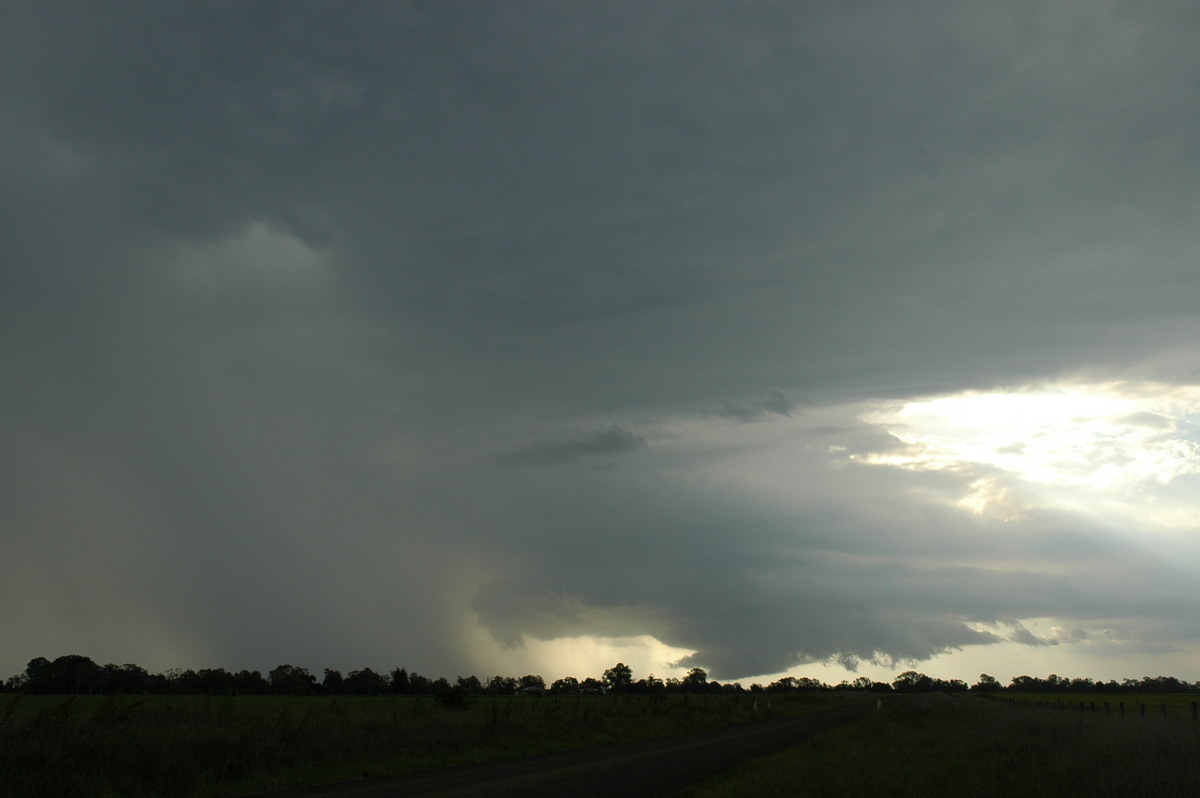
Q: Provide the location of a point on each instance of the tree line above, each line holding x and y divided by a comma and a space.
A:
75, 674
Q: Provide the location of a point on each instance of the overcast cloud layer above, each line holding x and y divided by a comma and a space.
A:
375, 334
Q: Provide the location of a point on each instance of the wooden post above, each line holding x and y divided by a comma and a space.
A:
1142, 709
1195, 714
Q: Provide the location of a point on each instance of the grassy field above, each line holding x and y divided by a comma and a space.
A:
187, 747
1156, 704
967, 746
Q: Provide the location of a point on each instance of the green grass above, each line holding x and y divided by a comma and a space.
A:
197, 746
973, 747
1130, 704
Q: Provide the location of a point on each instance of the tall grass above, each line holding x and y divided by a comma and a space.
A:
973, 747
197, 746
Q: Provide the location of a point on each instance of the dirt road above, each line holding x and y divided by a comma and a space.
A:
648, 768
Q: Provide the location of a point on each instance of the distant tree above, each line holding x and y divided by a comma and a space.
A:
1162, 684
470, 685
567, 684
399, 682
71, 674
214, 681
333, 683
986, 684
650, 684
365, 682
440, 685
418, 684
501, 685
531, 681
912, 682
860, 683
1025, 684
592, 685
291, 680
453, 698
38, 676
247, 682
128, 679
696, 680
619, 677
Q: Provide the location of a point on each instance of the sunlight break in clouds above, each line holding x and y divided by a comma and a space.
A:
1116, 441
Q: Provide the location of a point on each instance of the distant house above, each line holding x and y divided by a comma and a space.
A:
531, 690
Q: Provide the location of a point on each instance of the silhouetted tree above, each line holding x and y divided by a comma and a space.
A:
291, 680
531, 681
592, 685
567, 684
651, 684
71, 674
399, 682
453, 698
619, 677
696, 681
248, 682
470, 685
912, 682
365, 682
333, 683
128, 679
501, 685
986, 684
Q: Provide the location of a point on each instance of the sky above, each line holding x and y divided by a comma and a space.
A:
813, 339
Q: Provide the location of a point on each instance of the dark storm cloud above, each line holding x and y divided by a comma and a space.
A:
228, 231
601, 443
776, 402
863, 574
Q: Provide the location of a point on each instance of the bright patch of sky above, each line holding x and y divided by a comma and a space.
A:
1113, 441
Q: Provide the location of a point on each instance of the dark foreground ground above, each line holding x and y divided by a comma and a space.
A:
648, 768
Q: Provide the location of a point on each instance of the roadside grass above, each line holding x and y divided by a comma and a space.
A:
196, 746
969, 746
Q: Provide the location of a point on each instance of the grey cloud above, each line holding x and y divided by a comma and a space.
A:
776, 402
850, 579
569, 212
601, 443
1022, 635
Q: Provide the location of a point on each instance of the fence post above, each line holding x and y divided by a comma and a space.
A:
1122, 706
1142, 709
1195, 715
